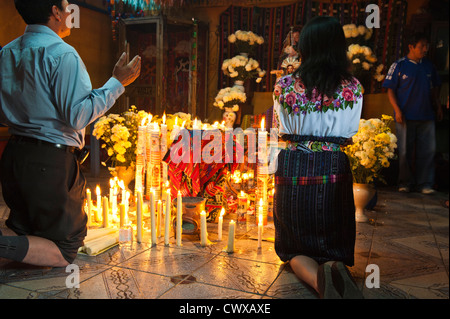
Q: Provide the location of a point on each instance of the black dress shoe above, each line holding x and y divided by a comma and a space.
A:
327, 289
345, 283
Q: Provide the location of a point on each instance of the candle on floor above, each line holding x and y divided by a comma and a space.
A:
203, 229
219, 230
139, 212
89, 206
153, 216
260, 230
167, 219
122, 215
179, 218
105, 211
230, 247
158, 219
99, 204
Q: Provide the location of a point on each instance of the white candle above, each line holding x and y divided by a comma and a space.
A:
203, 229
167, 219
260, 230
139, 216
230, 247
158, 218
89, 206
153, 216
99, 204
179, 218
164, 146
122, 214
220, 226
105, 211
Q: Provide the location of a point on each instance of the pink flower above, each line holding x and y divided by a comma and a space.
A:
347, 94
327, 101
299, 87
277, 90
290, 99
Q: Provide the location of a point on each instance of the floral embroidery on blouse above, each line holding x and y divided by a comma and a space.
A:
313, 146
290, 93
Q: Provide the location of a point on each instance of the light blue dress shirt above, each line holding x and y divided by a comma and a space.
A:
45, 90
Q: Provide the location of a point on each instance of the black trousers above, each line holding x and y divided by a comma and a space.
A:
44, 188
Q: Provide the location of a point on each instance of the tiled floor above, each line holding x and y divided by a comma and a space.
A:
407, 240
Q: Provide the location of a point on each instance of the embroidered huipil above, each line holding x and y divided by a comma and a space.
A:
317, 116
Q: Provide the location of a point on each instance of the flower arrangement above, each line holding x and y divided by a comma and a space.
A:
118, 133
241, 68
373, 146
230, 97
360, 54
357, 34
245, 41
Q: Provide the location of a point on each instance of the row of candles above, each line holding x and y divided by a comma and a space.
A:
108, 210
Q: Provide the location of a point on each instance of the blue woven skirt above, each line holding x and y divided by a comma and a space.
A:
314, 212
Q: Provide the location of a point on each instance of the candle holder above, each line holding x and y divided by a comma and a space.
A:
191, 209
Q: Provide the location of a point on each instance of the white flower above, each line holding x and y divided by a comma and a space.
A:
355, 61
365, 66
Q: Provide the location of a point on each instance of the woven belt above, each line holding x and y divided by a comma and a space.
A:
30, 140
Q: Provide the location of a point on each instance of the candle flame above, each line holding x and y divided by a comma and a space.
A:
182, 125
176, 120
143, 121
155, 126
168, 191
179, 193
242, 194
88, 191
263, 126
97, 190
164, 117
121, 184
222, 212
111, 182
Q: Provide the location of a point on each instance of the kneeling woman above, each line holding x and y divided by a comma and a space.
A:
317, 111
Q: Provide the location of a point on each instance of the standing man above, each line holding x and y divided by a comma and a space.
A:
46, 99
412, 86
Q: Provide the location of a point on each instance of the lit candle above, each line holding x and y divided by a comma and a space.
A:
140, 156
262, 211
139, 213
179, 218
164, 146
167, 219
175, 130
242, 207
158, 218
105, 211
203, 229
230, 247
122, 214
99, 204
219, 230
89, 206
260, 230
153, 216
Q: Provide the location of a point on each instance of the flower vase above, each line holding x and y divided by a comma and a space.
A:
125, 174
239, 84
362, 194
229, 117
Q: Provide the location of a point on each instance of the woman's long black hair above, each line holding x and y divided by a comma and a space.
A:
323, 51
